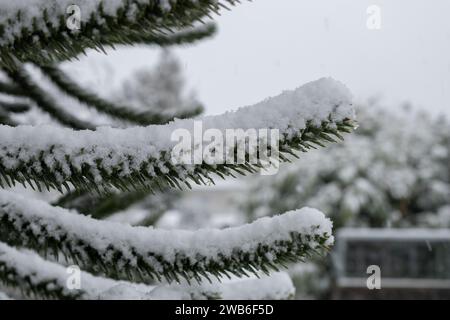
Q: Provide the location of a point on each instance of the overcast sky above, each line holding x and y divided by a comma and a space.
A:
266, 46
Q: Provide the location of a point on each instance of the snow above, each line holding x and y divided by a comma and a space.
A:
129, 149
210, 243
30, 9
67, 103
277, 286
29, 265
3, 296
395, 156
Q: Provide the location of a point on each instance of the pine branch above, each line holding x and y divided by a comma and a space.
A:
103, 206
33, 276
142, 37
143, 254
42, 36
99, 206
187, 36
22, 80
68, 86
56, 158
27, 275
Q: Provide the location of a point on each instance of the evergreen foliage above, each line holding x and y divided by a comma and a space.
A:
101, 171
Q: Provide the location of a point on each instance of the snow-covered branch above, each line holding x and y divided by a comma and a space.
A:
46, 103
127, 113
141, 157
142, 254
37, 30
27, 275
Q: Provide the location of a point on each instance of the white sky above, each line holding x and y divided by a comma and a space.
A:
266, 46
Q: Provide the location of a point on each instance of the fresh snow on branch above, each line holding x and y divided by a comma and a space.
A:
26, 270
40, 279
50, 31
276, 286
33, 10
140, 254
305, 116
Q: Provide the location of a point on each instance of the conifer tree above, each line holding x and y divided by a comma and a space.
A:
101, 169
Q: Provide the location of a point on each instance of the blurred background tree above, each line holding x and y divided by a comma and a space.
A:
394, 171
149, 96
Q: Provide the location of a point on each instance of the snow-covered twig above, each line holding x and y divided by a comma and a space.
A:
33, 275
143, 254
46, 103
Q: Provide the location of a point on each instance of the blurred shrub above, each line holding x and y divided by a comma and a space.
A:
395, 171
